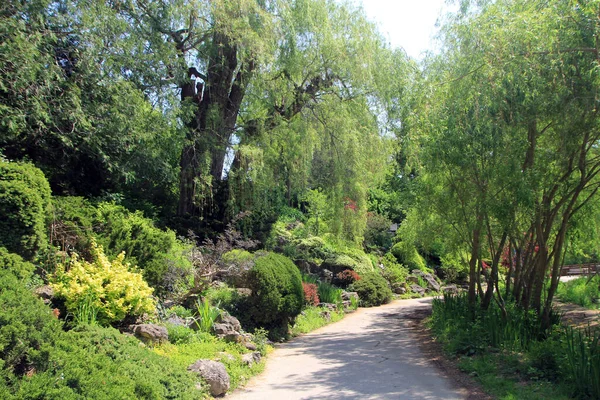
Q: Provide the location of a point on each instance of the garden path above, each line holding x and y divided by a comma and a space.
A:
370, 354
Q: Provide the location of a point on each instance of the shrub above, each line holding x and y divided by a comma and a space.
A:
407, 255
145, 245
114, 289
377, 234
277, 296
311, 297
372, 289
25, 322
392, 271
24, 202
346, 277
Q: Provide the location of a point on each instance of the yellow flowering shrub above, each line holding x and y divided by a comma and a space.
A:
113, 289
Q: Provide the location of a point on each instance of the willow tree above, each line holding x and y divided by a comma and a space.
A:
523, 73
312, 118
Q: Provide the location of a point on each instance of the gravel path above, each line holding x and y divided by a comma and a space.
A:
370, 354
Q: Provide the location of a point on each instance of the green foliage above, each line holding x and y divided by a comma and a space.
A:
25, 322
329, 293
109, 289
407, 255
179, 334
88, 362
206, 315
377, 234
314, 318
582, 291
583, 361
392, 271
164, 260
372, 289
15, 265
454, 268
277, 296
24, 205
155, 251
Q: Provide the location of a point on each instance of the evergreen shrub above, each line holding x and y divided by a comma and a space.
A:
24, 203
372, 290
277, 296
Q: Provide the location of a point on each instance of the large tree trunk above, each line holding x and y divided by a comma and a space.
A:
202, 187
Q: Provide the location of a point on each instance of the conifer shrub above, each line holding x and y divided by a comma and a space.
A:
111, 289
372, 290
24, 202
25, 322
277, 296
407, 255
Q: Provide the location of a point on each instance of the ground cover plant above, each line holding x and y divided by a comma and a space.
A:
512, 355
583, 291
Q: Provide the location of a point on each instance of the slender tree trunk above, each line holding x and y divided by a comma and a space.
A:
476, 238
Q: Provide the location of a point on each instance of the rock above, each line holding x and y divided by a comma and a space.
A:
347, 296
412, 279
251, 358
450, 289
151, 333
250, 346
46, 293
214, 373
432, 283
417, 289
327, 275
176, 320
228, 328
326, 315
328, 306
233, 322
225, 356
399, 289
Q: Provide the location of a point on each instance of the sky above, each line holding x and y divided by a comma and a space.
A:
409, 24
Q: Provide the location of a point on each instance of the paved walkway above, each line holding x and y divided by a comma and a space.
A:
370, 354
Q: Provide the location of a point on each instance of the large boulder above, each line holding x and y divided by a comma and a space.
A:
151, 333
432, 283
215, 375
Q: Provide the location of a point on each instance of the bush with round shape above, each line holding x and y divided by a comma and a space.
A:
24, 202
372, 290
346, 278
277, 296
111, 288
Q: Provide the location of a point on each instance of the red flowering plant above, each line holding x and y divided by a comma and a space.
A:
311, 295
346, 278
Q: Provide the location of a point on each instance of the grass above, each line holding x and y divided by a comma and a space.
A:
581, 291
201, 345
504, 376
329, 293
512, 358
312, 318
